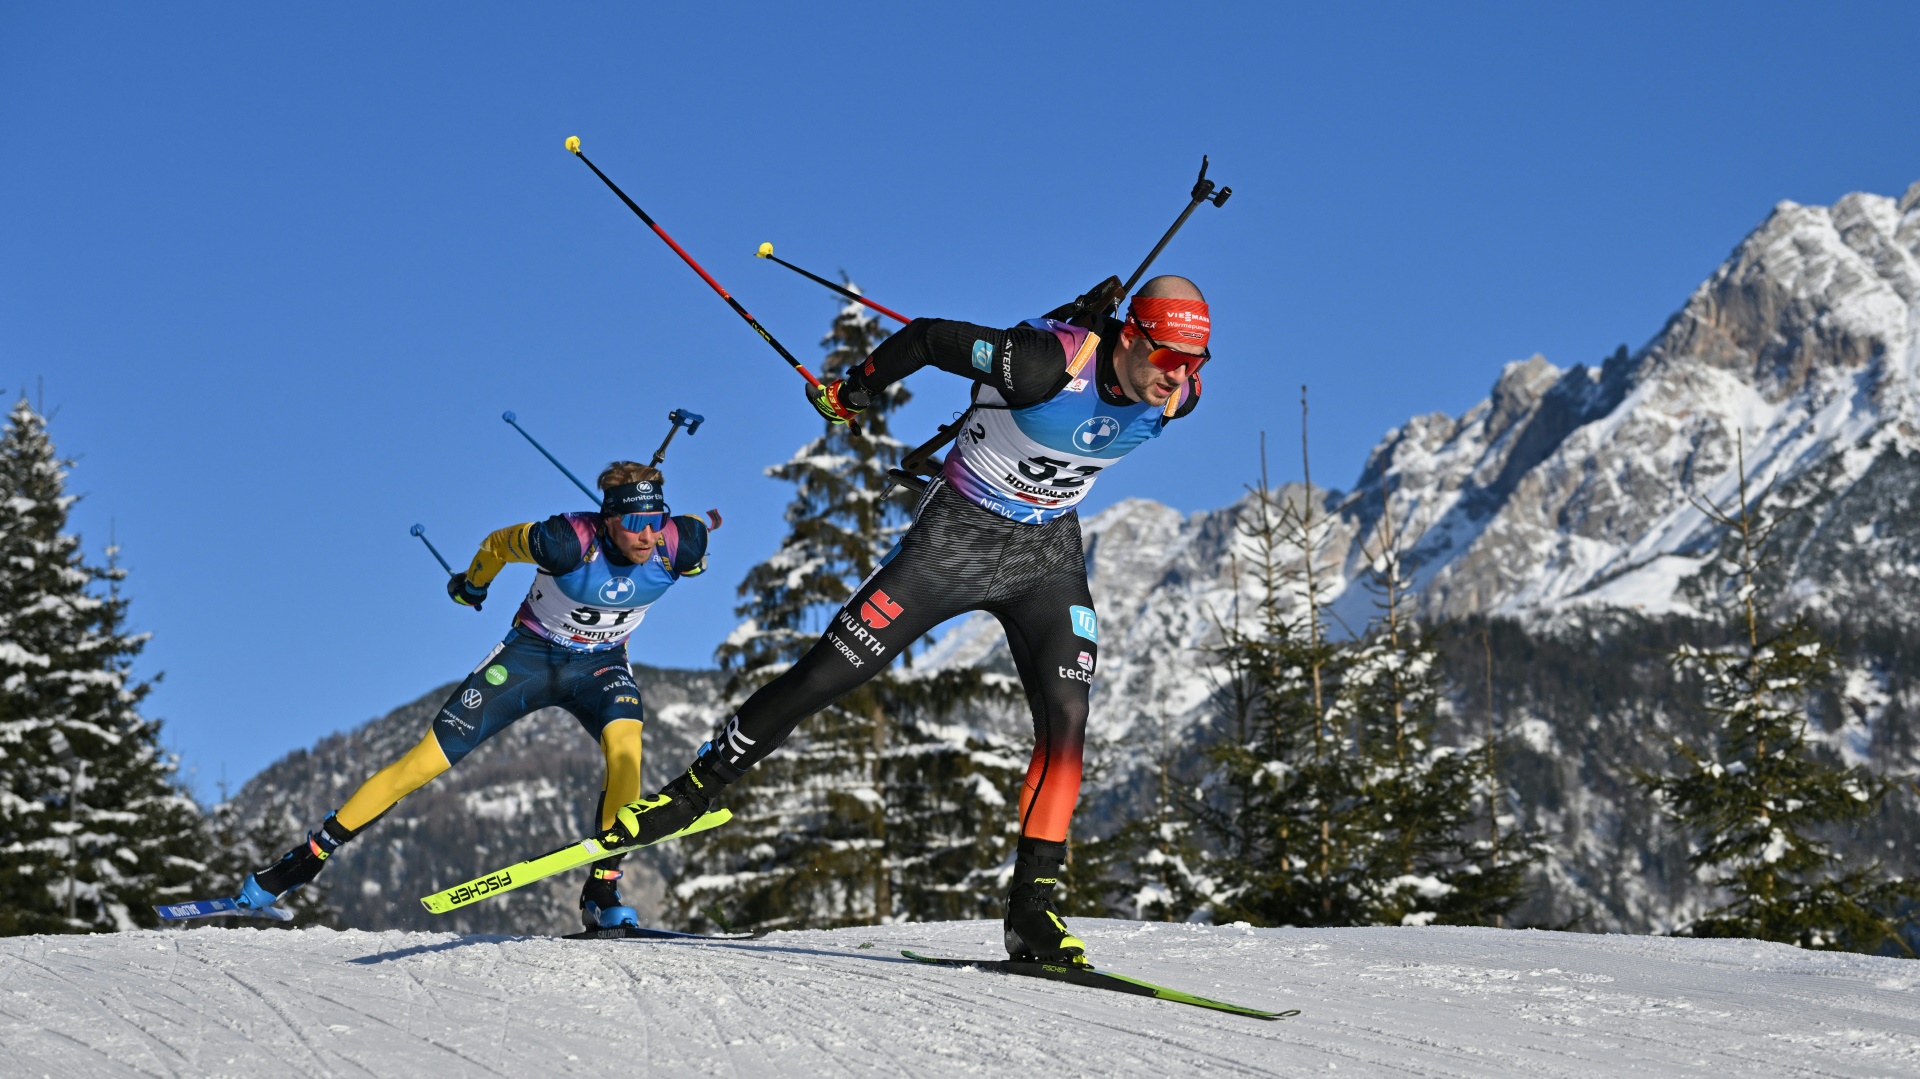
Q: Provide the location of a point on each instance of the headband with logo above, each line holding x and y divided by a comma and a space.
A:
1171, 321
642, 496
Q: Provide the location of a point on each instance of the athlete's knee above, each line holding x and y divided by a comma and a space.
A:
385, 788
1061, 722
423, 762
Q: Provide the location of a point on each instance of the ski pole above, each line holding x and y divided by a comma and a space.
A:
509, 417
573, 146
766, 252
416, 530
678, 417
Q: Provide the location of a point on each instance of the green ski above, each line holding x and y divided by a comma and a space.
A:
1099, 979
559, 861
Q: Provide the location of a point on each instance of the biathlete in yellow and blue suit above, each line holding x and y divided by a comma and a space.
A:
597, 574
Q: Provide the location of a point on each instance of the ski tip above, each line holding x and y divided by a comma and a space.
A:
766, 250
573, 144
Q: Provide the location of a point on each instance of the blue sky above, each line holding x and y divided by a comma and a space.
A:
282, 270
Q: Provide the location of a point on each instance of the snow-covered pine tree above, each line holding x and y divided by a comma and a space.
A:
94, 829
951, 827
1761, 800
1419, 855
863, 793
1279, 811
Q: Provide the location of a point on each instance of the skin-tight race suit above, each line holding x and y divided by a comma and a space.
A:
567, 649
996, 532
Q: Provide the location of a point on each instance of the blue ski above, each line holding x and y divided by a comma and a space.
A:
208, 908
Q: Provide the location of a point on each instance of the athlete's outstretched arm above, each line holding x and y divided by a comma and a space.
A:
1023, 363
551, 544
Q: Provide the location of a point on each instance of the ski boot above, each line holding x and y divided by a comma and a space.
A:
1034, 932
678, 804
600, 906
297, 867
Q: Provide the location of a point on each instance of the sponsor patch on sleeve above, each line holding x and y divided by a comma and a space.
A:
1085, 623
982, 356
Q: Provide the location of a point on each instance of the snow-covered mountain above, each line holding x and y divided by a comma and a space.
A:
1571, 487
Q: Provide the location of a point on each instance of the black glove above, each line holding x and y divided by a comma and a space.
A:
465, 594
838, 402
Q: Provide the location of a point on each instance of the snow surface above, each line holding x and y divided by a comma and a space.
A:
1422, 1002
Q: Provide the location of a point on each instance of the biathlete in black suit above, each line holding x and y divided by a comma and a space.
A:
1054, 405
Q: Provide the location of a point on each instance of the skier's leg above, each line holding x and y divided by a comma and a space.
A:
397, 780
620, 745
1053, 635
607, 704
600, 904
939, 570
511, 681
1056, 670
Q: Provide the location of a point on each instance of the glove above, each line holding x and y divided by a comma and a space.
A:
837, 401
467, 595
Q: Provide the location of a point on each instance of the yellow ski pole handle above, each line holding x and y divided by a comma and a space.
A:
520, 874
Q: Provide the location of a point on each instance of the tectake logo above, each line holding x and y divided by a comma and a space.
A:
470, 699
1086, 662
616, 589
1085, 623
1096, 434
982, 356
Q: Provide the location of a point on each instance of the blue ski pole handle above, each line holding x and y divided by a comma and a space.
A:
509, 417
416, 530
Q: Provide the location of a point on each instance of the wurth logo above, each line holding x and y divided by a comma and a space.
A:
880, 611
860, 632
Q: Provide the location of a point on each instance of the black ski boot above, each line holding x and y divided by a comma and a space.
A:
297, 867
678, 804
600, 906
1034, 933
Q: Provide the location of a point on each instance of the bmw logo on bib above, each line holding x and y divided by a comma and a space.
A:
616, 589
1096, 434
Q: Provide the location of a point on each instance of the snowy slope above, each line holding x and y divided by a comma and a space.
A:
1403, 1002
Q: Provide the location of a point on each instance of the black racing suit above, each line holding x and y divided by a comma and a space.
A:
956, 558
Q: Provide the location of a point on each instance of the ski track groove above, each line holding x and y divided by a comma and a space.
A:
286, 1020
142, 1036
425, 1040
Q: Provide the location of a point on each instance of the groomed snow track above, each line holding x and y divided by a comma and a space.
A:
1402, 1002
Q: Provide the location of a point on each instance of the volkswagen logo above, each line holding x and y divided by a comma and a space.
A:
616, 589
470, 699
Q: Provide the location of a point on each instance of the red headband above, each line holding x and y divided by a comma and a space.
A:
1169, 320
